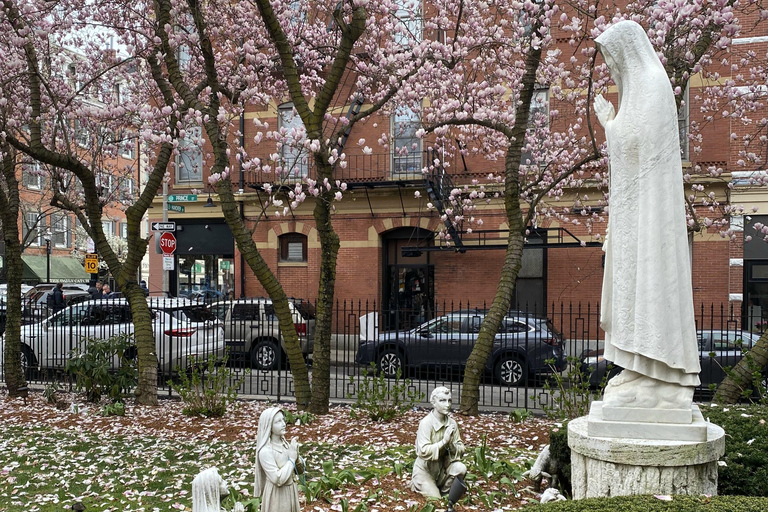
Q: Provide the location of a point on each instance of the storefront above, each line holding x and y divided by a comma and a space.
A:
204, 257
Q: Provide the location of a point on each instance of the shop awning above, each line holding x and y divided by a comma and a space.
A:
64, 269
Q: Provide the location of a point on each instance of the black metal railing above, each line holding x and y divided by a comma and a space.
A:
429, 346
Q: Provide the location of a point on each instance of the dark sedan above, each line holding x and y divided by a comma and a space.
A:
522, 347
719, 348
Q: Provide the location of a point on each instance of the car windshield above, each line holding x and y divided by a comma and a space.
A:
192, 314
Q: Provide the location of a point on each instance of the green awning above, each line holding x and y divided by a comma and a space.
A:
64, 269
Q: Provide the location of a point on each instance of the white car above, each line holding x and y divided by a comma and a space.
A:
179, 342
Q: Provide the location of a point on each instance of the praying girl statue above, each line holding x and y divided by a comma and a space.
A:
277, 464
647, 300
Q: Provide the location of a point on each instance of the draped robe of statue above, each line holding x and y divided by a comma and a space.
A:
647, 299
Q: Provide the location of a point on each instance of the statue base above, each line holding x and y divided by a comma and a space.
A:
604, 466
626, 422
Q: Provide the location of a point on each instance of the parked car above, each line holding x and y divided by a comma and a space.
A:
521, 348
206, 295
725, 345
47, 344
252, 331
35, 302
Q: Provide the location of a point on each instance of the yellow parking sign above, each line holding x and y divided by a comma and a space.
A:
92, 263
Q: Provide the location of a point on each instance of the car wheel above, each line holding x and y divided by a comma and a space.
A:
27, 361
264, 355
389, 361
511, 371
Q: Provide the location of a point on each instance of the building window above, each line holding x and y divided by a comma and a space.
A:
108, 226
124, 230
128, 147
82, 135
293, 248
292, 154
33, 228
189, 161
683, 121
406, 156
538, 117
32, 176
61, 235
409, 27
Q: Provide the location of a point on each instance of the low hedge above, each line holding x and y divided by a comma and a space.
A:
652, 504
746, 448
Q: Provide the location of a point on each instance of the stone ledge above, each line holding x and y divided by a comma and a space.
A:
645, 452
607, 423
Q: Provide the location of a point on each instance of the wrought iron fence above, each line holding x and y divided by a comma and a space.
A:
428, 346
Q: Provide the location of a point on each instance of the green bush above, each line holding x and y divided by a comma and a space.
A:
746, 448
561, 454
571, 394
652, 504
381, 399
92, 366
206, 389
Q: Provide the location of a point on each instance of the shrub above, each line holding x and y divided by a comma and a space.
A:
299, 418
381, 399
206, 389
653, 504
746, 448
571, 394
93, 367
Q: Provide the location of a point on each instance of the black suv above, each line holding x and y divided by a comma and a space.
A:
521, 348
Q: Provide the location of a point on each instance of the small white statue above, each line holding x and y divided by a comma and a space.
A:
647, 301
207, 490
277, 465
544, 467
438, 448
551, 494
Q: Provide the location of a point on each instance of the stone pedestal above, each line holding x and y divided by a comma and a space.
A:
610, 466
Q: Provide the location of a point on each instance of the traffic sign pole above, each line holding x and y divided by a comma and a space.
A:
166, 279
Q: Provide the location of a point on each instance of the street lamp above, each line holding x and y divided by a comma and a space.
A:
47, 237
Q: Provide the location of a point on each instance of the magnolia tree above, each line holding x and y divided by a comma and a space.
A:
210, 62
71, 102
481, 89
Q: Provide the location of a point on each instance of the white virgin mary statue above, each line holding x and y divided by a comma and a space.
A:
647, 300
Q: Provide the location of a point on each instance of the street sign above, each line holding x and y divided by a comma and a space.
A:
163, 226
167, 262
188, 198
176, 208
92, 263
167, 243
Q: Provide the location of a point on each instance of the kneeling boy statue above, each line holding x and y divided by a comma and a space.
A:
438, 448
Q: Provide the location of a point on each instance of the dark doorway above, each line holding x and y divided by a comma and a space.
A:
409, 292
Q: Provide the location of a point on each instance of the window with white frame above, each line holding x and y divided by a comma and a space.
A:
683, 120
82, 135
124, 229
409, 26
33, 228
292, 154
406, 148
61, 235
538, 117
32, 176
128, 147
189, 161
108, 226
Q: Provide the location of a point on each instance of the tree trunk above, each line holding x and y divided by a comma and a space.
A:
268, 280
146, 347
476, 364
329, 241
740, 378
9, 217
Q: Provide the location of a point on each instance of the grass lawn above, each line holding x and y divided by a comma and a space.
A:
51, 457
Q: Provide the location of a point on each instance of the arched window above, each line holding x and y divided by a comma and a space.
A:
293, 248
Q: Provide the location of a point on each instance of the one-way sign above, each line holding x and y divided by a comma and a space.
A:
163, 226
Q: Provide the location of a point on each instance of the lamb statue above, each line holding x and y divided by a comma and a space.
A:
544, 467
207, 490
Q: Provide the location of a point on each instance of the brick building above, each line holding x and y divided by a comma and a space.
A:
389, 253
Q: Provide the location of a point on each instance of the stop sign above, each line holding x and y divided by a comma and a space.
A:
167, 243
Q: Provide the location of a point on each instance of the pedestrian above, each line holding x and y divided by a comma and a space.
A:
106, 292
95, 290
144, 287
56, 298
